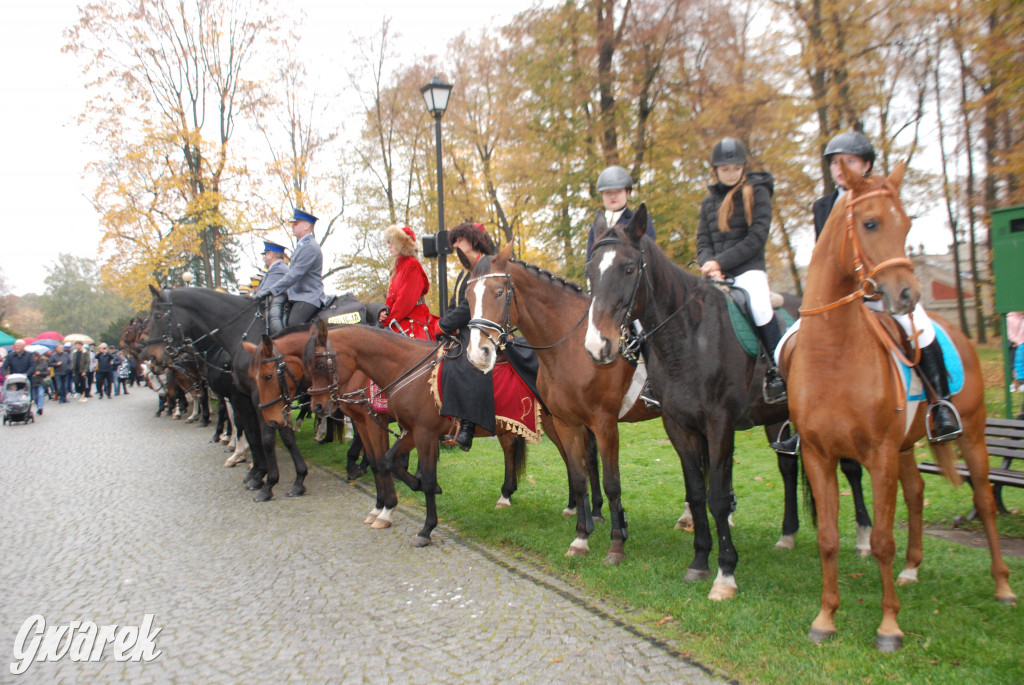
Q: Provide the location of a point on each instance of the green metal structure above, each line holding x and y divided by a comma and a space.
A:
1007, 240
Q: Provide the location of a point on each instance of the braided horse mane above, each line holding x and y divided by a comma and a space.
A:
575, 287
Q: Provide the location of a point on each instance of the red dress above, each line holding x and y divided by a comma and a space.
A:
407, 312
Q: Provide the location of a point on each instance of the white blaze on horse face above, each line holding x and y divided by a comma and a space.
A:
479, 356
595, 342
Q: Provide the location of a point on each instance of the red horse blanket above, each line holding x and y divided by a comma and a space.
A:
515, 407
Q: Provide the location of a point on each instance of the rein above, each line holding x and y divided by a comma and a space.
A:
868, 287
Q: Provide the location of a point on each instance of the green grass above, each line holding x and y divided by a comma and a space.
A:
955, 631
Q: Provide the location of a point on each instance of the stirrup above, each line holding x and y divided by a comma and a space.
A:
928, 424
648, 398
790, 445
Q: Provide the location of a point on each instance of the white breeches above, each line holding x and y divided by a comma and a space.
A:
756, 285
921, 322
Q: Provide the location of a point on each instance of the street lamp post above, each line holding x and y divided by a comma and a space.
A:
188, 277
436, 95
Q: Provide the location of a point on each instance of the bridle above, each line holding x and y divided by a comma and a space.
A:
868, 288
506, 331
630, 342
283, 373
165, 309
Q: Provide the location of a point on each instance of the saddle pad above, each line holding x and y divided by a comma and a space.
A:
745, 328
515, 407
954, 367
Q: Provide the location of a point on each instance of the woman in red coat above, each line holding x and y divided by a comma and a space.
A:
406, 311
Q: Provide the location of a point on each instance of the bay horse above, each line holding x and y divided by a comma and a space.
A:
279, 375
840, 354
577, 392
207, 322
401, 367
708, 385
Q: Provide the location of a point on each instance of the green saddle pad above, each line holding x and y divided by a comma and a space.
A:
744, 327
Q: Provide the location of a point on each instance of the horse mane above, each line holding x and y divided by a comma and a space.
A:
555, 278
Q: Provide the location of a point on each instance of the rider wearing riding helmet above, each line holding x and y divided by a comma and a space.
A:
405, 310
615, 185
856, 151
734, 220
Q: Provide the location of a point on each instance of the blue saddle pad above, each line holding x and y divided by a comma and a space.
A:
954, 367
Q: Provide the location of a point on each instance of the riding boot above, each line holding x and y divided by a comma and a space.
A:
945, 421
790, 445
774, 389
465, 437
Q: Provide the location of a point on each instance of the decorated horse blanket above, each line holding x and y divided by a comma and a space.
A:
516, 408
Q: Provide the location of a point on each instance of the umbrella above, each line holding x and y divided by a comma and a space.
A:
42, 349
50, 335
79, 337
48, 343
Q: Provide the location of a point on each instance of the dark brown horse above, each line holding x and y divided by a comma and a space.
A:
402, 366
279, 376
847, 399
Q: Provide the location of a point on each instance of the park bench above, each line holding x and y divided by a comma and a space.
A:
1004, 438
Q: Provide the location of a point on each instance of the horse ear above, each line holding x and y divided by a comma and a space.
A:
853, 179
638, 224
321, 332
248, 347
504, 254
896, 177
464, 259
268, 346
157, 294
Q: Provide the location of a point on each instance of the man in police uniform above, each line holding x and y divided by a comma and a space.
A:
304, 280
273, 260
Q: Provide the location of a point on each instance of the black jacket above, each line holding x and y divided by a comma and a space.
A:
19, 363
741, 249
822, 207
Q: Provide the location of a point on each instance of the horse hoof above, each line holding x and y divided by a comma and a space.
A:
693, 575
888, 643
1010, 601
567, 512
578, 548
597, 518
819, 637
297, 491
786, 542
381, 524
263, 496
683, 526
420, 541
503, 502
907, 576
721, 591
614, 558
228, 464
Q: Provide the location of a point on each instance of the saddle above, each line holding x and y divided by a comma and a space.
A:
743, 322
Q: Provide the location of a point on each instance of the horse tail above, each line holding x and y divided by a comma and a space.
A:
946, 459
519, 457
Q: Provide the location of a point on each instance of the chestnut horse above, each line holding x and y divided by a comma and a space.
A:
848, 400
276, 370
401, 366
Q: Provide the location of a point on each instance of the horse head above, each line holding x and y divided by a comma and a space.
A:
160, 328
493, 307
872, 250
614, 275
276, 377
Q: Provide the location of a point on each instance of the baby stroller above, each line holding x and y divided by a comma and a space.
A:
17, 399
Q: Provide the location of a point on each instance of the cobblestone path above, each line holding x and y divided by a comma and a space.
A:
110, 514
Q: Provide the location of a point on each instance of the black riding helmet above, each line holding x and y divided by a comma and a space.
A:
728, 151
851, 143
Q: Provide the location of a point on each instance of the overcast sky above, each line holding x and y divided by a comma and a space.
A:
43, 196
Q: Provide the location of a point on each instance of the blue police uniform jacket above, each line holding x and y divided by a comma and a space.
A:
274, 274
304, 281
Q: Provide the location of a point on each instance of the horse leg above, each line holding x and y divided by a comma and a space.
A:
821, 473
884, 486
594, 474
204, 405
510, 485
789, 468
854, 473
689, 446
608, 445
246, 415
426, 451
268, 440
720, 451
975, 455
571, 439
376, 440
301, 470
913, 495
